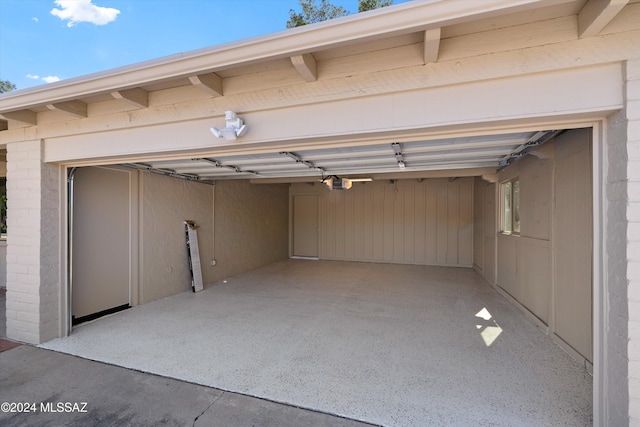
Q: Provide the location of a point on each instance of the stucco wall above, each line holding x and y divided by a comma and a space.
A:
615, 253
623, 252
251, 226
165, 203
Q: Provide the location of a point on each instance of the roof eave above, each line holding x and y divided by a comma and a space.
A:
394, 20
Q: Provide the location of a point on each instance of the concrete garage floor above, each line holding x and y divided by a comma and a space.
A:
387, 344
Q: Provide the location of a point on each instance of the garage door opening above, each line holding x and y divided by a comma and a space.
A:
541, 262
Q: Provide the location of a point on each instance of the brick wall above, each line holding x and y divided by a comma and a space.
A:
632, 92
33, 241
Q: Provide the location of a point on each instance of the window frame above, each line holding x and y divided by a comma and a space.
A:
510, 210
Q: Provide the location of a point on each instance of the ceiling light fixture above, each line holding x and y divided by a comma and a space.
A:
235, 127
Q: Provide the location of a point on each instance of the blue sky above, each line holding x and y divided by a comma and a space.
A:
43, 41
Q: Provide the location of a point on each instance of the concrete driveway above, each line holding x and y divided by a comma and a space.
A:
97, 394
70, 391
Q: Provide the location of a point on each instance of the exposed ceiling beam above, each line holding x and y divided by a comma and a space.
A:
596, 14
137, 97
431, 45
210, 83
306, 66
73, 108
23, 116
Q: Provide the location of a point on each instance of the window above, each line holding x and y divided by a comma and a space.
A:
510, 194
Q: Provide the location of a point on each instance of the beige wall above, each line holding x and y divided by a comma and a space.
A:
547, 268
404, 221
165, 203
251, 231
484, 229
524, 261
104, 224
251, 226
573, 240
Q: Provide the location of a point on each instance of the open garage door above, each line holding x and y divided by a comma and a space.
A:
426, 216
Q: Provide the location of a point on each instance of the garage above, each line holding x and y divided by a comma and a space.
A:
484, 146
448, 221
378, 270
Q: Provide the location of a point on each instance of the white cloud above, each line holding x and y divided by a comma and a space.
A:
51, 79
76, 11
48, 79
